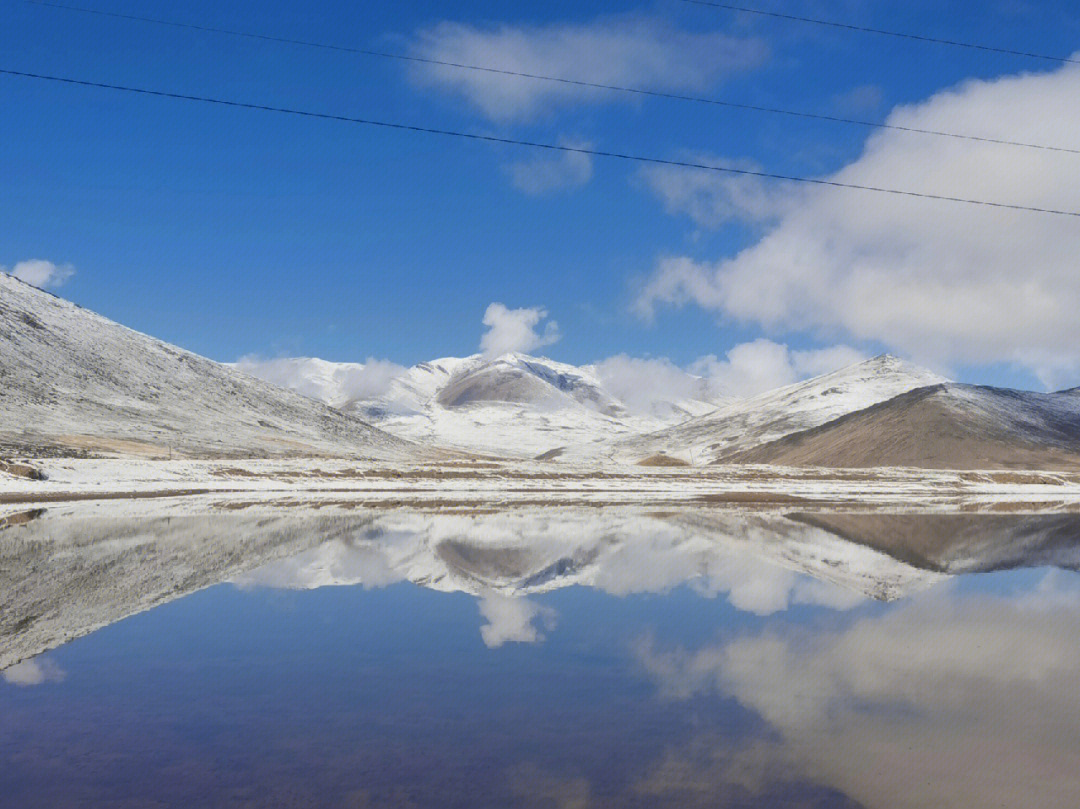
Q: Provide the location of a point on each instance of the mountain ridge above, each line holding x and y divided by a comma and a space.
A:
944, 426
514, 404
73, 382
769, 415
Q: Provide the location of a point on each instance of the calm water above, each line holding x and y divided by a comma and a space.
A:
412, 665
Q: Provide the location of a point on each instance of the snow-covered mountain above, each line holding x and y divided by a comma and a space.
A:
514, 405
948, 426
769, 416
73, 382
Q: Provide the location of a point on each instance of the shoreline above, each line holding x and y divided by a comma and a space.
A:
351, 484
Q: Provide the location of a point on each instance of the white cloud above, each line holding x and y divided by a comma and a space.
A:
943, 282
761, 365
41, 273
35, 671
645, 383
332, 564
512, 330
510, 619
335, 383
711, 198
747, 369
750, 583
546, 173
957, 700
628, 51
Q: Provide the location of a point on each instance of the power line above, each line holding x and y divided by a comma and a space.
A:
556, 79
883, 32
554, 147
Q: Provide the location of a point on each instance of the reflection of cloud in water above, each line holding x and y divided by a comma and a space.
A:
511, 619
503, 558
966, 701
337, 562
104, 566
749, 583
35, 671
758, 561
711, 771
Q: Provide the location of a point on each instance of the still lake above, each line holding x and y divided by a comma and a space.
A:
541, 664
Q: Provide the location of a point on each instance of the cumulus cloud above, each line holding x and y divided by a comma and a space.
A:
511, 619
712, 199
643, 383
331, 564
957, 700
761, 365
723, 566
942, 282
335, 383
512, 330
546, 173
40, 273
631, 51
35, 671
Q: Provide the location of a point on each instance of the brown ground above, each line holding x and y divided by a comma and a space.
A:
63, 497
21, 470
22, 518
660, 459
114, 446
923, 429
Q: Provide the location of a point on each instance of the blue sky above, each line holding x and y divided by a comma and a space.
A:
234, 232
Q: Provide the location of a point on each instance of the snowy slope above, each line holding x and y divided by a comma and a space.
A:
73, 382
947, 426
769, 416
514, 405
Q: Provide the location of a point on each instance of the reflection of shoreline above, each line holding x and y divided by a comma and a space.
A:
67, 571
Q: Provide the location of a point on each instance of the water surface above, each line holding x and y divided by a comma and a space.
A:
682, 661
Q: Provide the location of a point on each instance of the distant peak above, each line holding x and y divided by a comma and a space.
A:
517, 356
893, 362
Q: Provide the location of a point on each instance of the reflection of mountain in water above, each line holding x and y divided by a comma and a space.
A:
63, 576
962, 543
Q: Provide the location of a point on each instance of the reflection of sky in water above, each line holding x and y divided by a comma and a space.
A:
964, 695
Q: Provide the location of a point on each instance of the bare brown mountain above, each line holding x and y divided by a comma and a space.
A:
947, 426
